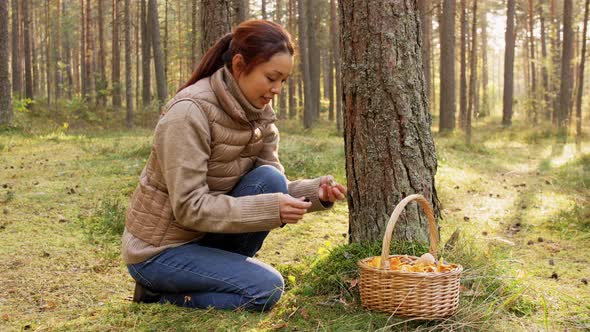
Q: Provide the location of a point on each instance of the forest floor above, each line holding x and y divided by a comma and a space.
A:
520, 200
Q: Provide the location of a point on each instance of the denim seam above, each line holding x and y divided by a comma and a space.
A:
243, 292
143, 280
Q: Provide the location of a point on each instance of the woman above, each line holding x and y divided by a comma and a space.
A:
213, 186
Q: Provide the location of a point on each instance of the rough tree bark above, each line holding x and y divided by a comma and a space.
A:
447, 67
145, 56
509, 66
116, 57
383, 83
27, 45
565, 90
17, 85
472, 75
154, 24
128, 83
5, 98
463, 64
581, 80
336, 50
426, 24
215, 22
304, 63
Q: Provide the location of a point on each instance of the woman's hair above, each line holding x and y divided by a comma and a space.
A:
256, 40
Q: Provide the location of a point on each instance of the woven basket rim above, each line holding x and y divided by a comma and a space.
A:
363, 265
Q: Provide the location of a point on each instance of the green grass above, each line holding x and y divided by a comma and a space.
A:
519, 199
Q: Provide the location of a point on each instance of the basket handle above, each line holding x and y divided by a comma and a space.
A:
393, 220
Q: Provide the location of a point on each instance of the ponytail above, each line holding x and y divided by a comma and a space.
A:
215, 58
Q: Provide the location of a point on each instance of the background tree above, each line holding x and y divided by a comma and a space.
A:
566, 70
385, 163
581, 80
304, 63
463, 65
447, 67
154, 25
146, 57
472, 74
27, 46
128, 83
116, 56
5, 98
509, 66
215, 22
16, 63
424, 6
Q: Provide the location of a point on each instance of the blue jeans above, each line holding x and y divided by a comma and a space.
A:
218, 271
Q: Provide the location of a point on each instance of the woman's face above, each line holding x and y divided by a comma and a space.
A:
264, 81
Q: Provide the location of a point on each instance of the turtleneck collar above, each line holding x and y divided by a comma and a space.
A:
233, 101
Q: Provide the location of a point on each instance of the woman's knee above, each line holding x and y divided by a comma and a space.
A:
271, 289
274, 181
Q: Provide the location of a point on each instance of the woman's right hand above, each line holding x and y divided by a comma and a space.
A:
292, 209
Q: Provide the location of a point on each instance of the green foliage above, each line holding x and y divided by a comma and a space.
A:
108, 221
22, 105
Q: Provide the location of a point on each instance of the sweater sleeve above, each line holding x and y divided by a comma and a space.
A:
183, 143
298, 188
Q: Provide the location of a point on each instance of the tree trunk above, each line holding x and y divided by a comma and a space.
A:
145, 56
566, 74
581, 80
447, 67
463, 64
154, 24
128, 82
282, 95
556, 62
385, 163
291, 81
27, 45
48, 54
304, 62
193, 34
533, 93
5, 97
263, 8
116, 57
102, 83
241, 9
68, 56
544, 74
425, 7
17, 85
313, 54
472, 75
89, 48
338, 64
57, 52
484, 109
166, 37
215, 22
136, 30
509, 65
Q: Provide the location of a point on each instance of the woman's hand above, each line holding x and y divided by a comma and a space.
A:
292, 209
330, 190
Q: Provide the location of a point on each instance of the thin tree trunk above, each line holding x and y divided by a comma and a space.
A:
35, 27
27, 45
166, 36
533, 91
313, 54
263, 7
546, 99
102, 87
556, 63
68, 56
194, 34
463, 69
158, 54
581, 81
509, 65
89, 48
291, 81
137, 28
116, 58
447, 67
5, 95
566, 77
303, 48
425, 7
128, 83
379, 156
48, 54
472, 75
57, 52
146, 56
485, 107
17, 85
215, 22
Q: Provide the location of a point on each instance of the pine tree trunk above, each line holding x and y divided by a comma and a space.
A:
313, 53
509, 66
57, 52
533, 93
556, 62
282, 96
263, 8
116, 58
472, 75
17, 85
146, 56
166, 37
463, 64
89, 48
48, 54
194, 19
154, 24
546, 98
68, 57
215, 22
240, 8
102, 82
128, 83
447, 67
291, 81
424, 6
35, 27
333, 51
581, 80
27, 45
308, 114
484, 106
566, 74
5, 95
137, 28
385, 163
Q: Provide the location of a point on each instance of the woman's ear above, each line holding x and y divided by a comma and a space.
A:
238, 65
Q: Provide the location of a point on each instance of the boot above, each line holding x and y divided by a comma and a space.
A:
143, 294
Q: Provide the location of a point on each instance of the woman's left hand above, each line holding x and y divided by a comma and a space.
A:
330, 190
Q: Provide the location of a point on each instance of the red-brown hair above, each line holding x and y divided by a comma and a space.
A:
256, 40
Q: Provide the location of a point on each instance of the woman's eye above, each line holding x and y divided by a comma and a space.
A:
270, 79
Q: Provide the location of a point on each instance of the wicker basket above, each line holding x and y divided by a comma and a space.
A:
433, 295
